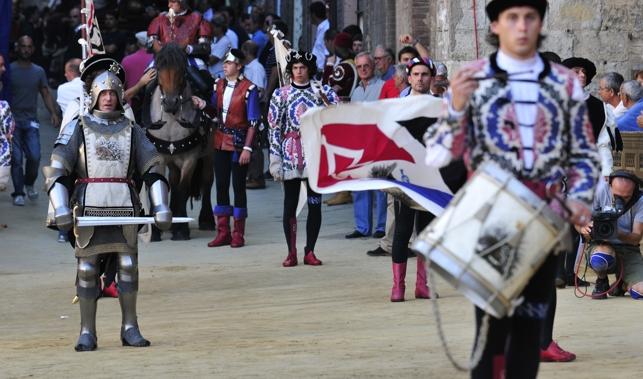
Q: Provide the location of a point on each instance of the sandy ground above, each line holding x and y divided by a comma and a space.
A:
237, 313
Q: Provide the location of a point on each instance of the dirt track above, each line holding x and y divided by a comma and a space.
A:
237, 313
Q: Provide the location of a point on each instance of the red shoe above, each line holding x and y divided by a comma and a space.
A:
110, 291
291, 260
310, 258
422, 291
555, 353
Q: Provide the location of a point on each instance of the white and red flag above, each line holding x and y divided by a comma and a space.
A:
367, 146
92, 40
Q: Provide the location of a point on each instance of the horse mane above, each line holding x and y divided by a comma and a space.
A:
171, 56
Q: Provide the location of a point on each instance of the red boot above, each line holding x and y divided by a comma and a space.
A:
421, 289
555, 353
110, 291
239, 230
310, 258
399, 274
222, 214
291, 259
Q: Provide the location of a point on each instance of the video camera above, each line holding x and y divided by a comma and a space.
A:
605, 220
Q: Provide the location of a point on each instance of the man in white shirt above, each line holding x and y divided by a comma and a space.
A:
253, 70
609, 86
221, 44
69, 91
318, 15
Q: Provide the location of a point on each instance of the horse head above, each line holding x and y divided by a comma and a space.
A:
171, 65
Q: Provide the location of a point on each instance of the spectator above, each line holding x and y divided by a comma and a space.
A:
73, 34
246, 24
259, 37
27, 81
342, 78
254, 71
329, 37
601, 118
440, 82
114, 39
69, 91
406, 54
604, 251
639, 77
318, 16
632, 98
609, 88
392, 87
135, 64
384, 60
358, 44
233, 31
390, 90
408, 40
221, 44
368, 89
6, 129
352, 30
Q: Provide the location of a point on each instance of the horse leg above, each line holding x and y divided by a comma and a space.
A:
181, 232
206, 221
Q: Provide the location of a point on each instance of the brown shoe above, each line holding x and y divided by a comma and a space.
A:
255, 184
343, 197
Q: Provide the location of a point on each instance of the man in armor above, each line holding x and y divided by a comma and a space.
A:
95, 158
191, 32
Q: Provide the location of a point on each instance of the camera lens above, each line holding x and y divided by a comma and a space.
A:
604, 230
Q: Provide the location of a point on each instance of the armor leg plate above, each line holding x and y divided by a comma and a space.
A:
88, 291
128, 287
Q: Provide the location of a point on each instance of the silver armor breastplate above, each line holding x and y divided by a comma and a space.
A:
106, 154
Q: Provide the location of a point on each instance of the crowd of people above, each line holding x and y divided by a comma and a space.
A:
234, 61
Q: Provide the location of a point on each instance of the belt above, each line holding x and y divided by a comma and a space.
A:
296, 148
104, 180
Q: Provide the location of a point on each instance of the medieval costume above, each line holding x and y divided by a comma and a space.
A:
287, 160
344, 74
529, 117
235, 106
192, 33
94, 161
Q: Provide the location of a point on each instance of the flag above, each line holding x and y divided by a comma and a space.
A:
92, 40
365, 146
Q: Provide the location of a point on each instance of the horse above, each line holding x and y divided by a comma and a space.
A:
176, 128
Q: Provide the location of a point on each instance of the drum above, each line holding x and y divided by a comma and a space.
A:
491, 239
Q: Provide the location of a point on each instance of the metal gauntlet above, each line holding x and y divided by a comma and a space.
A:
159, 197
58, 195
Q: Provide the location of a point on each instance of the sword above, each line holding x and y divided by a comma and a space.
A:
116, 221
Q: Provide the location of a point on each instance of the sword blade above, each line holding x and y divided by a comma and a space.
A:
116, 221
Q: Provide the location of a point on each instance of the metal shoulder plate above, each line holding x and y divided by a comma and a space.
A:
66, 132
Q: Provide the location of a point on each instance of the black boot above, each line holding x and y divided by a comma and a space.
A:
600, 289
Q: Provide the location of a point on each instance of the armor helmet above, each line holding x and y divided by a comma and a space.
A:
104, 82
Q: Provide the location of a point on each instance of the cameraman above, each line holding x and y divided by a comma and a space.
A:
620, 204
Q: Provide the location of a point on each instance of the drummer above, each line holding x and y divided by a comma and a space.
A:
529, 117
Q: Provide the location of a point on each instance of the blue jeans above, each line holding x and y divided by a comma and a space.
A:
26, 146
363, 211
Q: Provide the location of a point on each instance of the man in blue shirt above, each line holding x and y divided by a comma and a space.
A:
632, 98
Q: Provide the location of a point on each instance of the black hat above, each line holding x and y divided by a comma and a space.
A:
101, 62
586, 64
304, 57
235, 55
495, 7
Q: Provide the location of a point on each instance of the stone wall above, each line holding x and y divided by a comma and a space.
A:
608, 32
